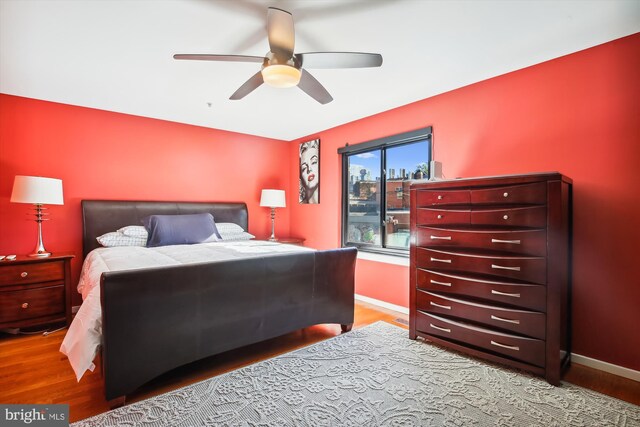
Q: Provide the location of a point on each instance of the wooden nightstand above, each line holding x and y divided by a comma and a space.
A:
35, 291
291, 240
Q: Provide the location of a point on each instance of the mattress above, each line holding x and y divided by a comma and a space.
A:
83, 339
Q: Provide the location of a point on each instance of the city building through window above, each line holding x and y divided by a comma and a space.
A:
376, 178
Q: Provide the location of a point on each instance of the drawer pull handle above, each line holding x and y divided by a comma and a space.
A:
505, 194
502, 319
440, 283
439, 328
505, 217
25, 305
502, 267
510, 347
514, 242
506, 294
435, 304
441, 260
439, 217
24, 274
441, 237
439, 196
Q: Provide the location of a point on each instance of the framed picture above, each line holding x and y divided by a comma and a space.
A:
310, 172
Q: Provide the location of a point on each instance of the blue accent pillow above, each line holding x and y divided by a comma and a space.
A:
165, 230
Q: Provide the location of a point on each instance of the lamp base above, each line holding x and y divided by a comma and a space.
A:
40, 254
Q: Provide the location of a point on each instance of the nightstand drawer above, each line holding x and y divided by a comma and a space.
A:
31, 303
31, 273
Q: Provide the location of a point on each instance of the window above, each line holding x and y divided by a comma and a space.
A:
378, 220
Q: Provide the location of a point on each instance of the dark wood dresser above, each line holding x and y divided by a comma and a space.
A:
490, 268
35, 291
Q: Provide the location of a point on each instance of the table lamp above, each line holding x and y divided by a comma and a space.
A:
38, 191
273, 199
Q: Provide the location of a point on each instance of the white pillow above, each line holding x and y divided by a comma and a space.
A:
134, 231
114, 239
235, 236
228, 227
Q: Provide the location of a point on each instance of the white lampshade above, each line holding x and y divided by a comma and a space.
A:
273, 199
37, 190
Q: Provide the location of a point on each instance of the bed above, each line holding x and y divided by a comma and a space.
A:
156, 319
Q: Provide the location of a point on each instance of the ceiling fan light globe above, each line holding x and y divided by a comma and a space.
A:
281, 76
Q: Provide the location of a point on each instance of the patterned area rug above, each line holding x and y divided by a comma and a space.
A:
374, 376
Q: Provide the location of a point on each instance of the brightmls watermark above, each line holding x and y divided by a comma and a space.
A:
34, 415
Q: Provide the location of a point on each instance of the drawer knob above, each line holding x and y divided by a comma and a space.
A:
505, 194
439, 197
505, 217
439, 216
25, 305
24, 274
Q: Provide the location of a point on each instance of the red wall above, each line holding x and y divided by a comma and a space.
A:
104, 155
579, 115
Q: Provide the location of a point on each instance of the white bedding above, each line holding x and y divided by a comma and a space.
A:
84, 336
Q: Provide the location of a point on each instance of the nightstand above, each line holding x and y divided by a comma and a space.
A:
35, 291
291, 240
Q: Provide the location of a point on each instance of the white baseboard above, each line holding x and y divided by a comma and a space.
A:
600, 365
383, 304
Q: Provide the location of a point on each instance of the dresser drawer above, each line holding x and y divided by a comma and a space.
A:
31, 303
529, 350
535, 194
523, 322
533, 297
31, 273
526, 242
443, 197
534, 216
427, 216
528, 269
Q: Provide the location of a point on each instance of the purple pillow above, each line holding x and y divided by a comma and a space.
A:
165, 230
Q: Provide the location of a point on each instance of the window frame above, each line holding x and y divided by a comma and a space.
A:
381, 144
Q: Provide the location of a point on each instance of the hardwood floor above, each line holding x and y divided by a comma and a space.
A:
33, 371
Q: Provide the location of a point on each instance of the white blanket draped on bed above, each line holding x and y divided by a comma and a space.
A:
84, 336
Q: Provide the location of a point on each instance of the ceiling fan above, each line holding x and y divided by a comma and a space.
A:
281, 67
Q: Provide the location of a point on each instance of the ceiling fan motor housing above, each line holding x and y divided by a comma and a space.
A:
278, 59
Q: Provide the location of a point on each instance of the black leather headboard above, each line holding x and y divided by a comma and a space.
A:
102, 216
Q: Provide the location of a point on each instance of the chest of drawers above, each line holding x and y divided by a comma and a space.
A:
490, 268
35, 291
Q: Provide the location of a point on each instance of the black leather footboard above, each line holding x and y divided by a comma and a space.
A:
157, 319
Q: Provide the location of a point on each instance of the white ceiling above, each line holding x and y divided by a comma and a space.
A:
116, 55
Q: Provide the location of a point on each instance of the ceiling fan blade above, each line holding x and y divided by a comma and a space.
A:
228, 58
339, 59
280, 31
249, 86
313, 88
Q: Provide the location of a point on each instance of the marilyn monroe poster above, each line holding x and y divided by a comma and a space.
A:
310, 172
